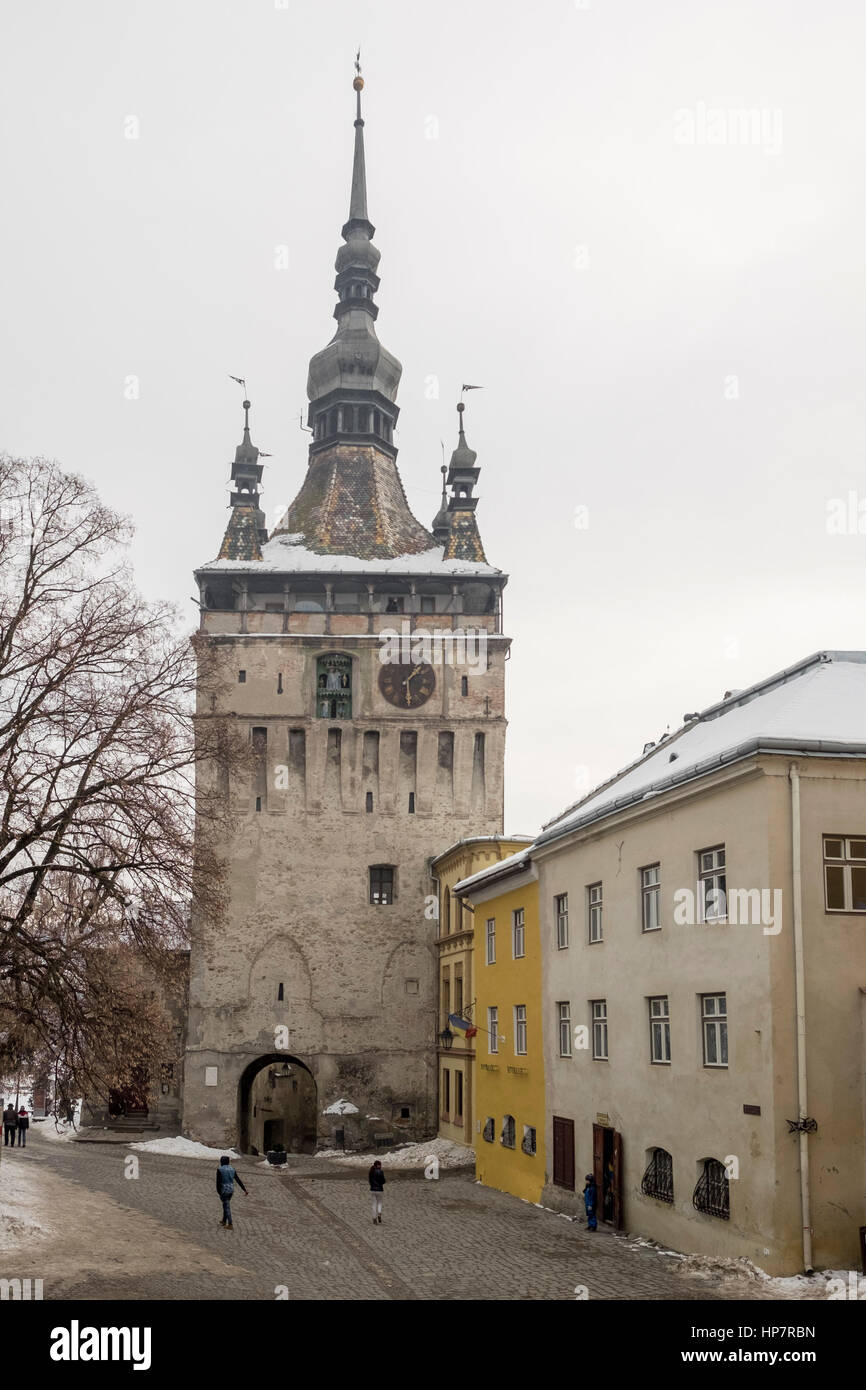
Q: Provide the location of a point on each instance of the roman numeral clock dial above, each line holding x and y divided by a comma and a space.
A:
409, 686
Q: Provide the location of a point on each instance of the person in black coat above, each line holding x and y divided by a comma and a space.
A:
9, 1124
23, 1126
377, 1184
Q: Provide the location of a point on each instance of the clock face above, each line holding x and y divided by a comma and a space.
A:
407, 687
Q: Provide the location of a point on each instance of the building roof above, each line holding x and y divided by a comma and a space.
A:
817, 706
470, 840
286, 553
512, 864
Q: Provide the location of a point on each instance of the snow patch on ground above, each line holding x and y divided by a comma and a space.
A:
449, 1155
47, 1129
181, 1148
744, 1271
22, 1212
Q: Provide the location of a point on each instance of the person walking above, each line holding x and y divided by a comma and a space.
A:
9, 1124
23, 1126
225, 1181
590, 1201
377, 1185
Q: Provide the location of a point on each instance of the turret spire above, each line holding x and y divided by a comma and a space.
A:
463, 541
246, 532
441, 522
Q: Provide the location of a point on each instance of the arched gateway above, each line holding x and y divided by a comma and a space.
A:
277, 1104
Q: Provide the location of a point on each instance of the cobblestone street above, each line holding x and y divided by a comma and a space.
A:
157, 1236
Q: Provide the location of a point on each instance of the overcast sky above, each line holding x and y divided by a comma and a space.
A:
663, 298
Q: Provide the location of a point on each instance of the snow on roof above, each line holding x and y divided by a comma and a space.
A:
285, 553
484, 840
512, 862
816, 706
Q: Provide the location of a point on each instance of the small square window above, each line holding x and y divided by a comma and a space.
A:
412, 986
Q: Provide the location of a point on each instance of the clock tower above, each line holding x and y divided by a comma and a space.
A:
360, 660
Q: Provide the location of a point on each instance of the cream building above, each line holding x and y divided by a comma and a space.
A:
361, 659
703, 923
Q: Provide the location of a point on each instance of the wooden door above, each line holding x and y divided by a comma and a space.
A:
598, 1161
617, 1181
563, 1152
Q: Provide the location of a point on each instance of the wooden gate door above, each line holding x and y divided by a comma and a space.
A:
598, 1160
617, 1181
563, 1152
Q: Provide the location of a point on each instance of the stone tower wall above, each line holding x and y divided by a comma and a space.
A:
359, 979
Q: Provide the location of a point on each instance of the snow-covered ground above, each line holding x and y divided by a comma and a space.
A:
743, 1271
22, 1208
181, 1148
47, 1129
448, 1154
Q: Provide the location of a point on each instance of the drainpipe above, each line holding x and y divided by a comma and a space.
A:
800, 996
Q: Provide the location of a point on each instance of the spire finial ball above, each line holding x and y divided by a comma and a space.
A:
358, 83
461, 407
246, 405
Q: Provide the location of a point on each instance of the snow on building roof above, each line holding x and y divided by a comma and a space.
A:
285, 553
483, 840
816, 706
511, 864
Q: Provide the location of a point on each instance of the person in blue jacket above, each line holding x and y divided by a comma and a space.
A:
590, 1201
225, 1181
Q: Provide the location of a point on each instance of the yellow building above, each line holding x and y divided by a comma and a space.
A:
509, 1102
456, 987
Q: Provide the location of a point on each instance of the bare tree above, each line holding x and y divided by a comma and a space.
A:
98, 761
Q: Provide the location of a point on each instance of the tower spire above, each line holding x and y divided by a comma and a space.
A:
246, 532
463, 541
358, 195
352, 383
441, 527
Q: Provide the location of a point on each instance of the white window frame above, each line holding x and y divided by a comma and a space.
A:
714, 1023
713, 877
491, 940
660, 1029
518, 933
520, 1030
493, 1029
560, 912
846, 862
594, 906
563, 1019
650, 893
598, 1011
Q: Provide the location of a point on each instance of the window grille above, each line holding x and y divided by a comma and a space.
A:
658, 1180
713, 1192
